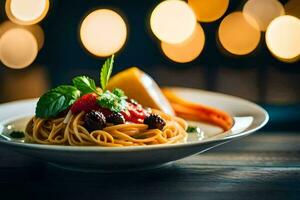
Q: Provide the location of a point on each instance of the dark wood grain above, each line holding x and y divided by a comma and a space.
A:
262, 166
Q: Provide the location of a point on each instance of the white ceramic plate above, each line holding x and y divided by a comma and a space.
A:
248, 117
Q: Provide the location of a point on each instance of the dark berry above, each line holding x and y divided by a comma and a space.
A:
115, 118
94, 120
155, 121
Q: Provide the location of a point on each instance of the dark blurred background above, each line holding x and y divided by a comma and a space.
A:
258, 77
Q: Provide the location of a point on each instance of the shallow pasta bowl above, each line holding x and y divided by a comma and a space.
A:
248, 118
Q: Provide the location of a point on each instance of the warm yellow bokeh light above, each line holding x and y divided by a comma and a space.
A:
209, 10
36, 30
292, 7
6, 25
263, 11
187, 51
173, 21
26, 12
283, 37
237, 35
18, 48
38, 33
103, 32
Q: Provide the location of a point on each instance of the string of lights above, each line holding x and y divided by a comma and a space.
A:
177, 24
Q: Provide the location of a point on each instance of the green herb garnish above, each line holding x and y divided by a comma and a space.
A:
120, 93
85, 84
192, 129
17, 134
112, 101
106, 72
59, 99
56, 100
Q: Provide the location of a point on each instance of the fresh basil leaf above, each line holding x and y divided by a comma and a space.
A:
50, 104
67, 90
84, 84
120, 93
56, 100
112, 102
106, 72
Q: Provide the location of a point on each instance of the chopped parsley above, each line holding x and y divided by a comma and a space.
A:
17, 134
192, 129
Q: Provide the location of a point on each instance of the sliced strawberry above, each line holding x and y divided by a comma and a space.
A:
85, 103
126, 115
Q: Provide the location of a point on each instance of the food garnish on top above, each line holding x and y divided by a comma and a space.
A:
101, 105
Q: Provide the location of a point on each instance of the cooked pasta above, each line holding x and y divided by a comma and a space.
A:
70, 130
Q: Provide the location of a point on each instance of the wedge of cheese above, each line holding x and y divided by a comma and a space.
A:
140, 86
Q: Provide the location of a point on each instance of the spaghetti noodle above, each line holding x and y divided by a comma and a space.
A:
60, 131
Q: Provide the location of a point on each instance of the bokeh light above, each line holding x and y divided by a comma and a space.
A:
38, 33
283, 38
18, 48
292, 7
173, 21
263, 11
103, 32
188, 50
237, 35
26, 12
209, 10
36, 30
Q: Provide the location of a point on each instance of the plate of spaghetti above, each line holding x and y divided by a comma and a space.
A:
126, 123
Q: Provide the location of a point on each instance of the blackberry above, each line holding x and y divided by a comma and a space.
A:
94, 120
115, 118
155, 121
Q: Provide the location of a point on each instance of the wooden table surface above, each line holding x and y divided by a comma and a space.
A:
261, 166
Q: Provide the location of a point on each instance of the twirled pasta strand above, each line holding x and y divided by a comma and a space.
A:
55, 131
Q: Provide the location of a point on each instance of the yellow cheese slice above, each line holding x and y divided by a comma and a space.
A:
140, 86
